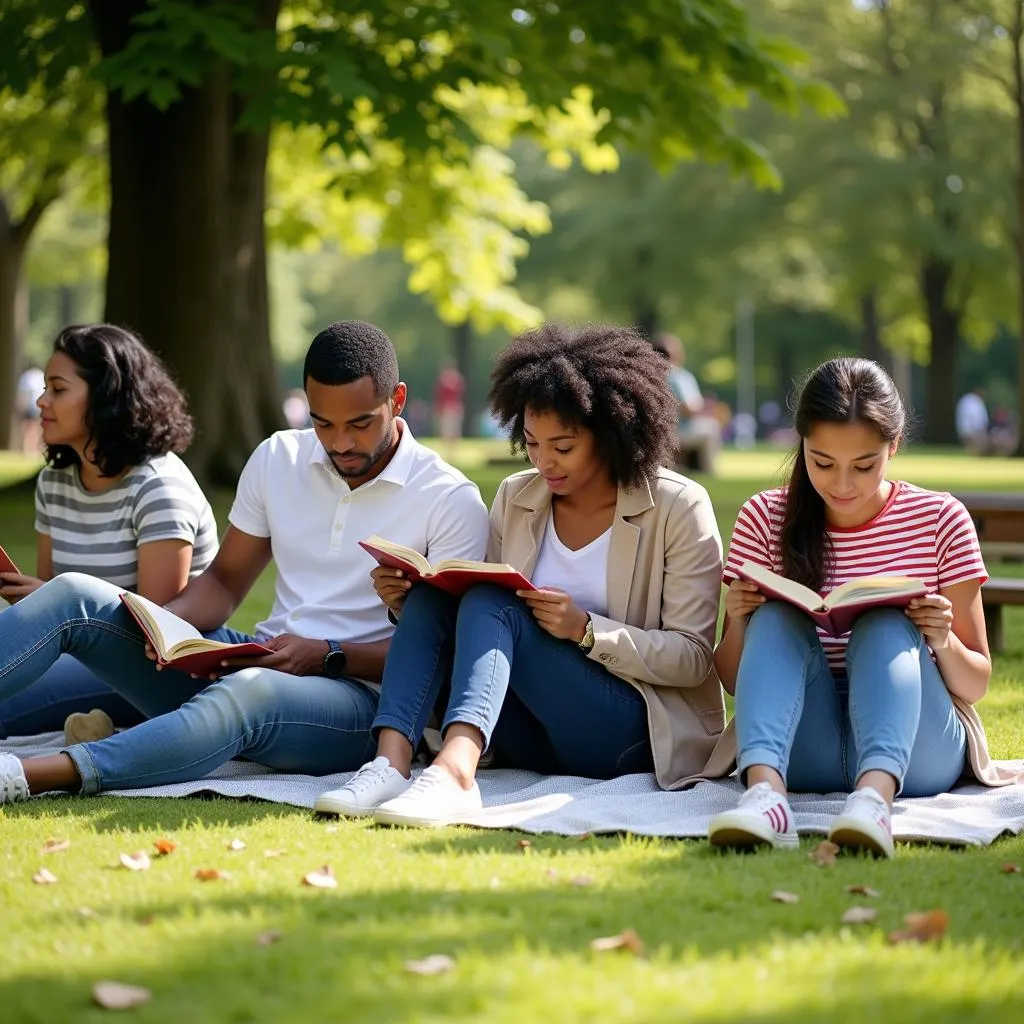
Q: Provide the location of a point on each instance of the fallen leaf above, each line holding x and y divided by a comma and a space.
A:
138, 861
56, 845
1011, 869
44, 876
551, 873
524, 844
165, 846
583, 836
322, 878
146, 920
273, 853
859, 915
781, 896
268, 938
862, 890
436, 963
824, 854
925, 926
331, 828
211, 875
236, 844
112, 995
627, 939
581, 881
88, 912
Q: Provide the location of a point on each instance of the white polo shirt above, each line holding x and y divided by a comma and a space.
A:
290, 492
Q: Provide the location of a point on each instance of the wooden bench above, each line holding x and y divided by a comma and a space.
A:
999, 520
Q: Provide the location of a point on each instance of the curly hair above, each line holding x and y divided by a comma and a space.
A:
135, 409
607, 379
348, 350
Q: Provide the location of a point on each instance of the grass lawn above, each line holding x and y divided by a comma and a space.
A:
517, 921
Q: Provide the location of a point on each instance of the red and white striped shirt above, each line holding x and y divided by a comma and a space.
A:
919, 533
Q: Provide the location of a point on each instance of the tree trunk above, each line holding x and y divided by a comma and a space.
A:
462, 351
871, 330
944, 327
187, 258
14, 238
645, 308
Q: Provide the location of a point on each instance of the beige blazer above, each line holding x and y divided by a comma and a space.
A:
664, 581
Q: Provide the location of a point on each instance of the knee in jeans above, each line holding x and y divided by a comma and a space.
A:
425, 598
76, 587
892, 621
486, 597
250, 692
773, 616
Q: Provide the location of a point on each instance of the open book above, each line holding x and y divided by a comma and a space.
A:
835, 613
453, 575
179, 644
7, 563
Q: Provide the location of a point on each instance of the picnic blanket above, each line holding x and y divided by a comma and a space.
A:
567, 805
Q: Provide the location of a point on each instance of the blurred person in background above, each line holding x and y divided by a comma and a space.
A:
31, 384
972, 421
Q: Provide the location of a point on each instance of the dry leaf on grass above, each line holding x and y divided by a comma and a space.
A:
273, 853
824, 854
211, 875
44, 876
583, 836
859, 915
781, 896
88, 912
138, 861
582, 881
56, 845
862, 890
1011, 869
524, 844
112, 995
627, 939
146, 920
436, 963
236, 844
322, 878
925, 926
164, 846
551, 873
268, 938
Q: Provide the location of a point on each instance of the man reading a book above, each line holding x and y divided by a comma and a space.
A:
305, 499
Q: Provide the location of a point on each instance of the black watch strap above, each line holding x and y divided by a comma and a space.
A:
335, 661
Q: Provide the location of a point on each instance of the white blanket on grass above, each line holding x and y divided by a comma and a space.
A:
568, 805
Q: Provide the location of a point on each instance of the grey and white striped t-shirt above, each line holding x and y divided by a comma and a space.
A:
100, 533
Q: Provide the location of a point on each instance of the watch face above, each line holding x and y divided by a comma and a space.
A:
334, 664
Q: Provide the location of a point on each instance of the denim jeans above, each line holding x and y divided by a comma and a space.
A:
894, 713
304, 724
66, 687
539, 701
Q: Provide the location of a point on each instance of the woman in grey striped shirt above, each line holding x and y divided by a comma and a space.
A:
114, 501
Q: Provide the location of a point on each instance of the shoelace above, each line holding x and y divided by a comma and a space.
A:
429, 779
367, 776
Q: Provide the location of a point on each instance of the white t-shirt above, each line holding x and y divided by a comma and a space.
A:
582, 574
290, 492
971, 415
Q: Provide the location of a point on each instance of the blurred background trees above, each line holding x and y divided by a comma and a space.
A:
226, 177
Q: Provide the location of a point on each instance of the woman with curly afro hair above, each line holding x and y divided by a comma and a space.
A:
603, 670
113, 501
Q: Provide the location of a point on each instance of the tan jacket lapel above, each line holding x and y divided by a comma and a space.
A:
623, 548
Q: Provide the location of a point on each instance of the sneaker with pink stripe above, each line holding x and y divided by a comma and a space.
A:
763, 817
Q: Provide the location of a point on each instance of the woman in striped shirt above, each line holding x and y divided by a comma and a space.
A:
113, 501
885, 709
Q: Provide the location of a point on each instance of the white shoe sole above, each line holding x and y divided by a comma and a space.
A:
852, 834
326, 804
411, 820
741, 833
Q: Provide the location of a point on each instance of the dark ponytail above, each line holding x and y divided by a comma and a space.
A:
843, 390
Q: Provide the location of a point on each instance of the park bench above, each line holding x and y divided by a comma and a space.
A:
999, 520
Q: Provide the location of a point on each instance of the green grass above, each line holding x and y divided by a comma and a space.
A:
718, 949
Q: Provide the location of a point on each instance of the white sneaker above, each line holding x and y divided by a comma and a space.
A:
865, 823
435, 799
763, 816
374, 783
13, 784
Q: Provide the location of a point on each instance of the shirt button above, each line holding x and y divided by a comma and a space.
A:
345, 500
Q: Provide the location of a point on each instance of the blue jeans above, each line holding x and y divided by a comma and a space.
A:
66, 687
304, 724
539, 701
891, 713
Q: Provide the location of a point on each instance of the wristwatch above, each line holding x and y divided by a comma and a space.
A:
335, 660
587, 643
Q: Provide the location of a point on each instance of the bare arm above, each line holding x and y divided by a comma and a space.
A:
953, 622
741, 599
163, 569
211, 598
